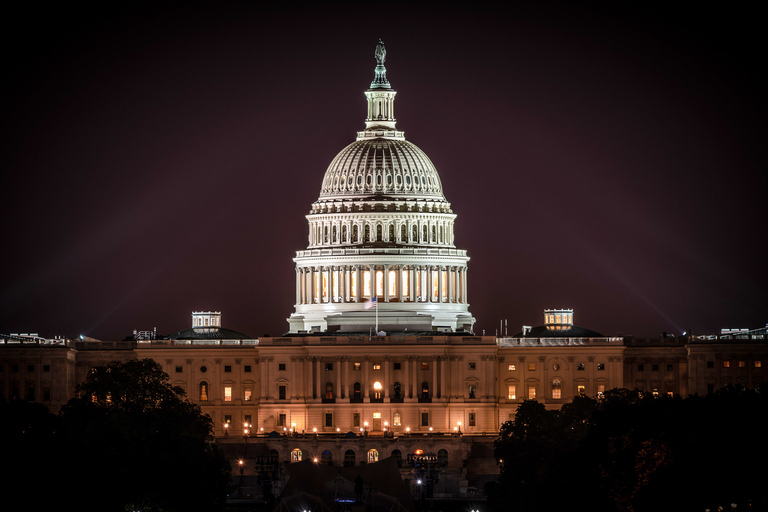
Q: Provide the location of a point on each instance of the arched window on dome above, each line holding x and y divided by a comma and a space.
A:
440, 240
391, 233
403, 233
367, 233
415, 237
355, 233
379, 234
434, 235
344, 234
325, 237
333, 239
424, 234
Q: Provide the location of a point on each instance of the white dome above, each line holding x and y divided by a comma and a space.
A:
383, 168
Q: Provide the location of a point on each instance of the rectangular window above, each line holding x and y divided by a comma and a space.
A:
580, 367
472, 419
247, 420
228, 419
471, 365
669, 367
511, 368
531, 392
655, 367
556, 393
227, 368
396, 366
329, 419
425, 419
758, 364
179, 369
227, 393
247, 394
328, 367
726, 364
356, 366
281, 392
600, 389
376, 366
355, 419
281, 367
531, 367
581, 390
425, 366
640, 367
601, 366
742, 364
281, 419
396, 419
710, 364
46, 367
247, 368
511, 392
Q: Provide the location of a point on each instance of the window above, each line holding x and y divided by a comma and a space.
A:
328, 391
329, 419
472, 365
179, 369
473, 419
376, 366
531, 392
397, 390
281, 367
601, 366
281, 420
396, 366
600, 389
227, 393
758, 364
326, 457
349, 459
472, 391
281, 392
424, 419
377, 390
247, 368
710, 364
396, 419
203, 391
228, 420
742, 364
655, 367
46, 367
356, 391
531, 367
726, 364
557, 389
425, 366
227, 368
328, 367
355, 419
356, 366
442, 457
669, 367
640, 368
511, 368
425, 389
295, 455
580, 367
247, 393
247, 420
580, 389
373, 456
511, 392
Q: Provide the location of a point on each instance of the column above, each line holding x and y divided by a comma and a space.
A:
407, 377
318, 379
387, 380
337, 391
442, 376
386, 283
366, 379
400, 270
433, 388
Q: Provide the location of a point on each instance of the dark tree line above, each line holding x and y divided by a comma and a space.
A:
633, 452
128, 441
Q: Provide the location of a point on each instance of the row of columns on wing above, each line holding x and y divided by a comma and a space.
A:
437, 232
406, 378
389, 283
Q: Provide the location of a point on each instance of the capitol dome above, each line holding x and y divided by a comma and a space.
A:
381, 167
381, 253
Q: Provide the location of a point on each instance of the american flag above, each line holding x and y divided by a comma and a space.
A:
370, 303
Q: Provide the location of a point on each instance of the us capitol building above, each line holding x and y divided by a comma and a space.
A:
380, 362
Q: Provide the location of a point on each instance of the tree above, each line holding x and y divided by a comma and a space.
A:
137, 444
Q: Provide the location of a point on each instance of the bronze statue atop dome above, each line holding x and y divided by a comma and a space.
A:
381, 53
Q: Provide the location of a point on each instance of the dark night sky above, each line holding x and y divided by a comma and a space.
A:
157, 161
